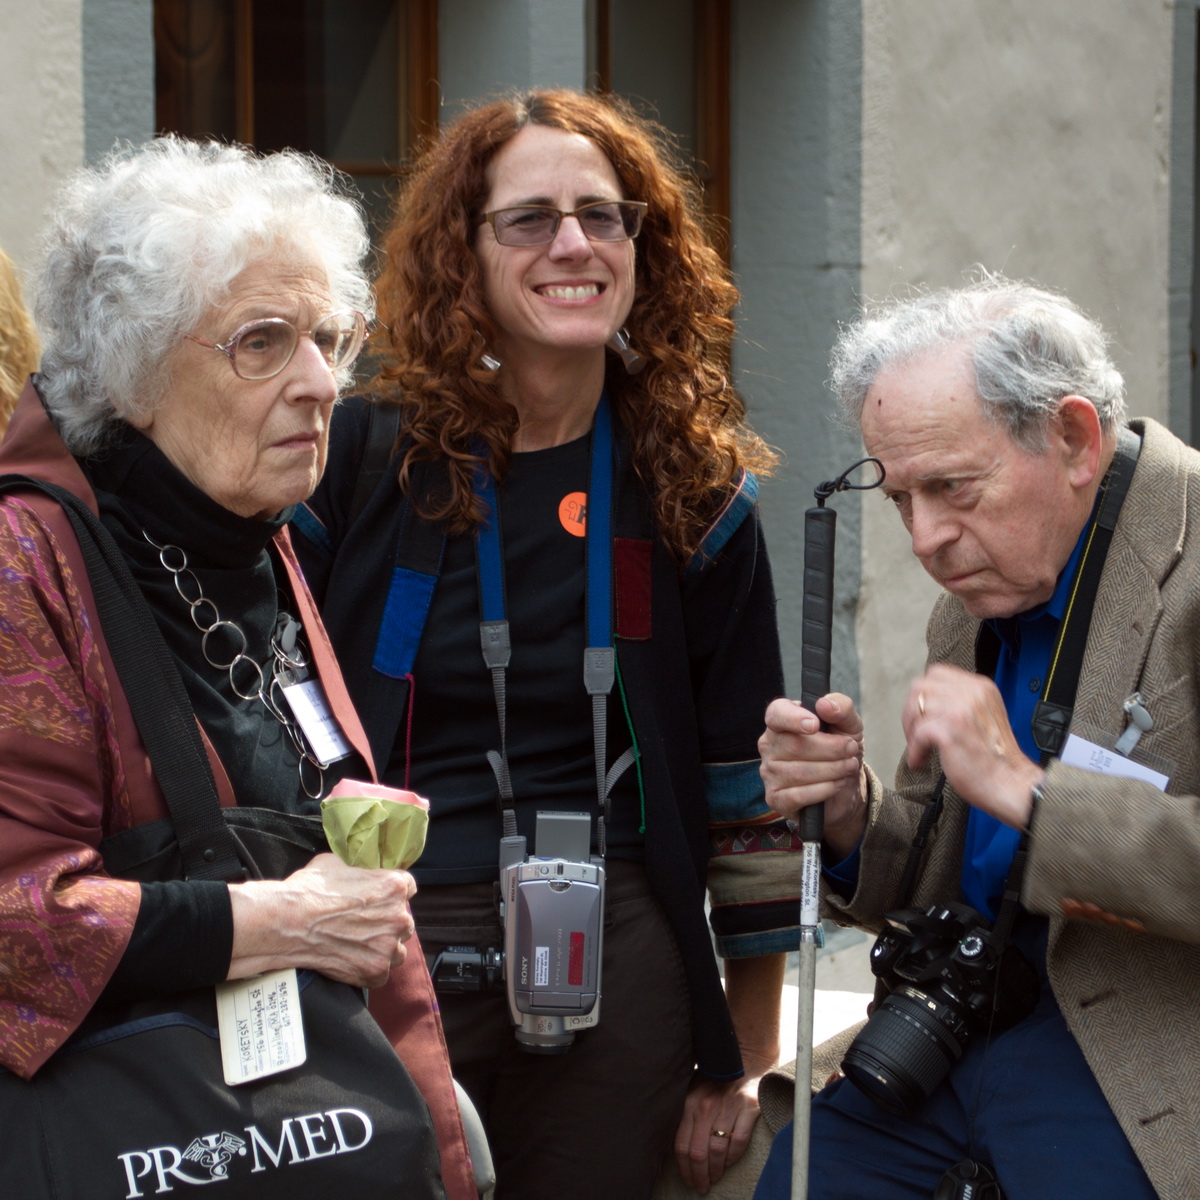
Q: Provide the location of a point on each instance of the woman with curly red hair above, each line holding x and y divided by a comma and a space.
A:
556, 463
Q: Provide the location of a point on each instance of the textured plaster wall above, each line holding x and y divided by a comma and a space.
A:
75, 76
489, 46
41, 96
795, 173
118, 73
1033, 137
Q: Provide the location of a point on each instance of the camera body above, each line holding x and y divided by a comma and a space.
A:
950, 978
553, 911
467, 969
553, 938
552, 907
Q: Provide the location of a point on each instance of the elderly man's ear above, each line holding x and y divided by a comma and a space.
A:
1076, 433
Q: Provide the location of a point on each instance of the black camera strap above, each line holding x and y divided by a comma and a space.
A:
1052, 715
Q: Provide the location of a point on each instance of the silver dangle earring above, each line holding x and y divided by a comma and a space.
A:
487, 360
634, 362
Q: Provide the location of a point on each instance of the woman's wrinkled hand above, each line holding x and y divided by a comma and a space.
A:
345, 922
718, 1119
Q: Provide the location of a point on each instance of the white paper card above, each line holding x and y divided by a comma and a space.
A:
262, 1031
311, 710
1078, 752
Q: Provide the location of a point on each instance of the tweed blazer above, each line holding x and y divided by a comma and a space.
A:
1114, 863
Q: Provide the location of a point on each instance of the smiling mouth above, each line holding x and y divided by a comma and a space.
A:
582, 292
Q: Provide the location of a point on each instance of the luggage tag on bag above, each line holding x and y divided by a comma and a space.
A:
262, 1029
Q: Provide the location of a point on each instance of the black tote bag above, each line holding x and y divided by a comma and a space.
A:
139, 1108
135, 1104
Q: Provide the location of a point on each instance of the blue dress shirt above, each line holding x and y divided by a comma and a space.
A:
1026, 644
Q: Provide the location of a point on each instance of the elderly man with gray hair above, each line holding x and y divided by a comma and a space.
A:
1035, 871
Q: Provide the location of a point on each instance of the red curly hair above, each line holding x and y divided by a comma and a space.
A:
684, 422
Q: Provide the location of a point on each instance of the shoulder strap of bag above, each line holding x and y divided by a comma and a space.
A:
416, 565
157, 698
383, 427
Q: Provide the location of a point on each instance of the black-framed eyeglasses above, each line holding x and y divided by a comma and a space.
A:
262, 348
538, 224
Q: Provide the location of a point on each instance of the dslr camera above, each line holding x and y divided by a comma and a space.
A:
950, 978
552, 908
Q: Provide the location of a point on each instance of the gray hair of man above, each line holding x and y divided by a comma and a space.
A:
1029, 348
140, 247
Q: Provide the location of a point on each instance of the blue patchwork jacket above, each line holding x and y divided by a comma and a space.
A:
706, 634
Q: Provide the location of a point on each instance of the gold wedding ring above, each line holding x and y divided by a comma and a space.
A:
921, 703
720, 1133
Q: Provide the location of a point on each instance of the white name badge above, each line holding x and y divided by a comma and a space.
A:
1078, 752
311, 710
262, 1031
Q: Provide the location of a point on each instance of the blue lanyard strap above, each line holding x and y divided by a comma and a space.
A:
599, 532
487, 548
490, 557
599, 656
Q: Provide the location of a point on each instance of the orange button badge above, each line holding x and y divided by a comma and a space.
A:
572, 513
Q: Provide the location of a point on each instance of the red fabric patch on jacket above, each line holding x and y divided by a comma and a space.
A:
631, 567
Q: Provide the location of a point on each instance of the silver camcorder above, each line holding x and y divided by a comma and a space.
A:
553, 911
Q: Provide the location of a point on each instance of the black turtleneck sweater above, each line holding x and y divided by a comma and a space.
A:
183, 936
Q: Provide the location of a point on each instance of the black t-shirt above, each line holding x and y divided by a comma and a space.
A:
549, 714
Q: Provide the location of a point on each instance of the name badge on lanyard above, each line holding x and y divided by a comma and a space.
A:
320, 727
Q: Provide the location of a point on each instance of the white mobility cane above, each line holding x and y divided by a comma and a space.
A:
816, 643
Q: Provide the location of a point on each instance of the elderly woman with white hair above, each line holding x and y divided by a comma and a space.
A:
200, 307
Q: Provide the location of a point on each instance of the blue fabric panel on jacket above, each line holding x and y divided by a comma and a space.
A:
403, 622
303, 520
725, 526
753, 945
734, 792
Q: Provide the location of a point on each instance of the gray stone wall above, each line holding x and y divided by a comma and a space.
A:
1031, 137
491, 46
41, 96
118, 73
796, 185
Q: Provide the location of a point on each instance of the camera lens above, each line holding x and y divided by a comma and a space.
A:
544, 1035
905, 1050
466, 969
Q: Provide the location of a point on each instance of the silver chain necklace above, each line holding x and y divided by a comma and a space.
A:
248, 680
